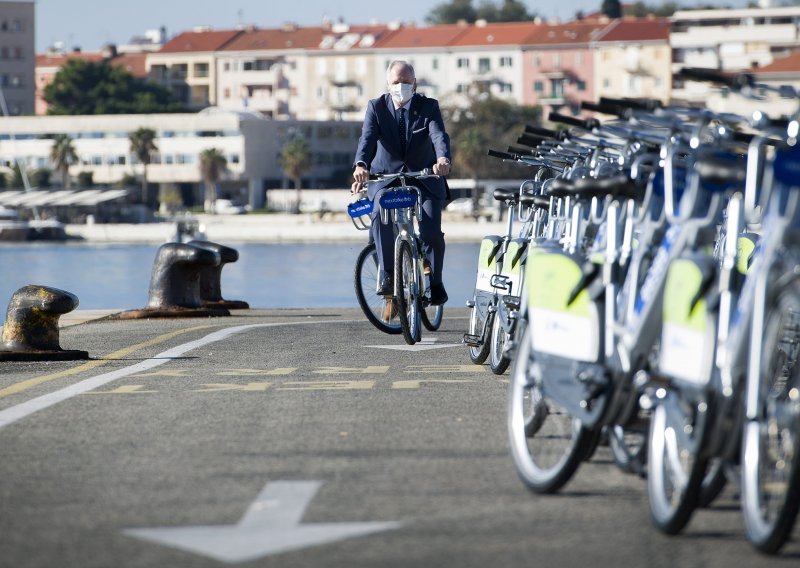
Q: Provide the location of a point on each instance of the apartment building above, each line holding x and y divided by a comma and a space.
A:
558, 65
17, 56
633, 58
730, 40
186, 65
251, 144
266, 70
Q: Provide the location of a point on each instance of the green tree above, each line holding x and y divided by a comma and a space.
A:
63, 155
456, 10
86, 87
212, 165
143, 145
85, 179
451, 12
17, 180
41, 178
611, 8
296, 160
486, 122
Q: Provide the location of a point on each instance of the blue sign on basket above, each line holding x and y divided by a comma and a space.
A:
359, 208
398, 200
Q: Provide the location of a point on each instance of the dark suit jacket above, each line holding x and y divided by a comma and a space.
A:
379, 146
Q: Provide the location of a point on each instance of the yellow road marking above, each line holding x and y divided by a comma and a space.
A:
165, 373
371, 370
328, 385
257, 372
219, 387
446, 369
119, 354
417, 384
123, 389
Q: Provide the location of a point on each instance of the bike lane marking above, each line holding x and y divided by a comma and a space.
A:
119, 354
19, 411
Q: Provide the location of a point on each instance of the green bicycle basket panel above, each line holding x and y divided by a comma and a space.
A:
550, 279
487, 261
570, 330
684, 280
745, 246
687, 333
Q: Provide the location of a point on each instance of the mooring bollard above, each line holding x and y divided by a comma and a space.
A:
30, 332
211, 277
175, 284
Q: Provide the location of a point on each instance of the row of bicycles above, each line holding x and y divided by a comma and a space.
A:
646, 294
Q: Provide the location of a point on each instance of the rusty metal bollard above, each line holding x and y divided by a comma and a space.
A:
211, 276
175, 284
30, 332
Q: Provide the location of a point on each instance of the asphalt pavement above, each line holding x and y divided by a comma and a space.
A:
302, 438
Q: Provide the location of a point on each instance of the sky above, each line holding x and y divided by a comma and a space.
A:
90, 24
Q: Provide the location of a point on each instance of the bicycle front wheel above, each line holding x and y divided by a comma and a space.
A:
478, 326
408, 301
547, 444
498, 360
373, 305
771, 443
432, 317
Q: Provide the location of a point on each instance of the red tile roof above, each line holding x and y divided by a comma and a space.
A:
644, 29
786, 64
133, 63
58, 59
199, 41
277, 38
560, 34
512, 33
411, 37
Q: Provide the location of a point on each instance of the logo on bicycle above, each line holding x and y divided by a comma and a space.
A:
397, 200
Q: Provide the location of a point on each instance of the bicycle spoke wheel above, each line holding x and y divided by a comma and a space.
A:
366, 284
408, 301
547, 444
476, 327
674, 475
498, 360
628, 447
771, 474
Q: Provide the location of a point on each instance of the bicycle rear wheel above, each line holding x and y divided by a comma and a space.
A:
408, 300
547, 444
477, 325
771, 443
432, 317
366, 285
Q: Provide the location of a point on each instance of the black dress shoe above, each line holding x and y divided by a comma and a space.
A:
438, 294
386, 286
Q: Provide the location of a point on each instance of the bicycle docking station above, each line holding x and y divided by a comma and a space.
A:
30, 332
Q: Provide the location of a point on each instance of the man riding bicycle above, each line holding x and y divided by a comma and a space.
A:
403, 132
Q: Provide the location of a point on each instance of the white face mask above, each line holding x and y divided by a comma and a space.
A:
401, 92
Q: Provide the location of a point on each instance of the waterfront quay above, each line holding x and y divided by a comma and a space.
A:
301, 437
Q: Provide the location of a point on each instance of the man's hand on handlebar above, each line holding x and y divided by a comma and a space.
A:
361, 174
356, 187
441, 167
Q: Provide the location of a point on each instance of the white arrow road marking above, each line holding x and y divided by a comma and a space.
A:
423, 345
271, 525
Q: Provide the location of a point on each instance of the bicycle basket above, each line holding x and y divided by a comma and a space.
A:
359, 212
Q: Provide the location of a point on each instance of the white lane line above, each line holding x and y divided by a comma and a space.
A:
14, 413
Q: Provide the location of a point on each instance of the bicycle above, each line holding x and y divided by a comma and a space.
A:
399, 205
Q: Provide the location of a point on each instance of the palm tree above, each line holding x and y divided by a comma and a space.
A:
143, 145
212, 165
296, 160
63, 155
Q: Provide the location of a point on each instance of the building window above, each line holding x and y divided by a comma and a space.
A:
606, 83
484, 65
201, 70
538, 86
557, 60
505, 87
227, 93
462, 63
226, 66
580, 85
578, 59
461, 88
506, 62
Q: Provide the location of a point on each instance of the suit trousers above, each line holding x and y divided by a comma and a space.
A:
430, 229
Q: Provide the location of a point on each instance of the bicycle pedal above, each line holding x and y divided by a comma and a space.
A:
472, 340
470, 304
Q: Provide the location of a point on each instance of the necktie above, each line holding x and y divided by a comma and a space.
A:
402, 126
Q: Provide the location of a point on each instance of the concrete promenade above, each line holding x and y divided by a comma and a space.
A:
302, 438
271, 228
